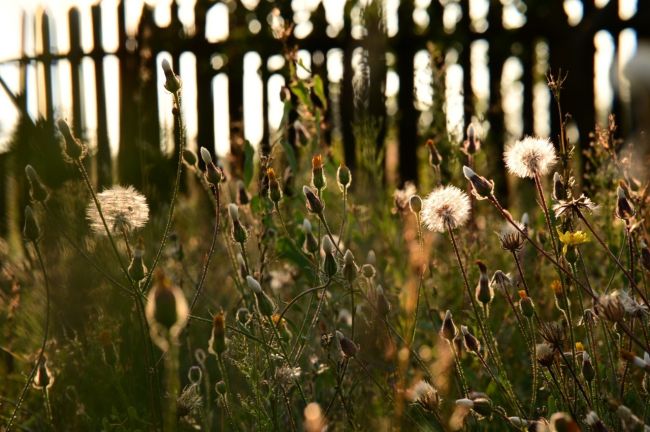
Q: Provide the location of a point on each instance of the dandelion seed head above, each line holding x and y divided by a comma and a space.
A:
446, 205
530, 157
124, 209
425, 395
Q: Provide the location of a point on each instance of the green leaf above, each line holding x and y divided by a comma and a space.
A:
302, 93
249, 162
319, 90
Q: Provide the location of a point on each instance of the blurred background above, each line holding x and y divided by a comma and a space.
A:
423, 69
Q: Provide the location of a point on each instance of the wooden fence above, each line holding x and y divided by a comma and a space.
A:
570, 48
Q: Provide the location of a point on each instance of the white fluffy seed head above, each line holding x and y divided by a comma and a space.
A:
446, 205
530, 157
124, 209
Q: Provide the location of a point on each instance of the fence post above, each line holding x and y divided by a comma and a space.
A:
204, 76
76, 52
47, 67
104, 175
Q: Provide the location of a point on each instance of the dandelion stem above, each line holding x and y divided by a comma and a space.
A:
549, 224
46, 329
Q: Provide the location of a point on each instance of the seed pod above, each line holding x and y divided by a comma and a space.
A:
350, 268
172, 81
526, 305
559, 191
37, 190
348, 347
330, 266
471, 343
343, 177
31, 230
588, 371
448, 329
314, 204
482, 188
415, 203
435, 159
624, 209
206, 156
275, 191
265, 304
73, 148
484, 292
190, 157
217, 343
317, 175
368, 270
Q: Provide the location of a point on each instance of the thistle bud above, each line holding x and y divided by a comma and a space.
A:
624, 209
559, 191
484, 292
190, 157
383, 305
318, 180
31, 230
314, 204
73, 148
350, 268
482, 188
343, 178
526, 304
217, 342
588, 371
435, 159
172, 81
544, 354
265, 304
348, 347
137, 269
330, 266
472, 344
37, 190
448, 329
239, 233
471, 145
415, 203
275, 191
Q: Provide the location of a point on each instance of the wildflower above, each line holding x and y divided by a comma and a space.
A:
415, 204
318, 180
544, 354
124, 210
445, 207
484, 292
43, 379
425, 395
137, 270
31, 230
286, 375
472, 144
73, 150
217, 342
610, 307
559, 190
482, 188
526, 304
37, 190
511, 238
330, 266
448, 329
348, 347
435, 159
310, 244
265, 304
275, 191
571, 239
350, 268
402, 196
530, 157
172, 81
624, 208
343, 178
471, 343
166, 311
574, 206
239, 233
552, 333
588, 371
314, 204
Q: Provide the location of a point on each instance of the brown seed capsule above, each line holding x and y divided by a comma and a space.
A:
348, 347
314, 204
482, 188
471, 343
448, 329
624, 208
435, 159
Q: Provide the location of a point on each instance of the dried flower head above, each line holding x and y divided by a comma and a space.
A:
425, 395
124, 209
553, 333
286, 375
624, 208
511, 238
530, 157
610, 307
574, 206
545, 354
446, 206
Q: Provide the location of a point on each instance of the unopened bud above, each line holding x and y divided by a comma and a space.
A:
217, 343
37, 189
73, 148
559, 191
435, 159
172, 81
350, 268
314, 204
31, 230
189, 157
343, 177
624, 209
448, 329
137, 269
317, 174
484, 292
348, 347
415, 203
275, 191
482, 188
471, 343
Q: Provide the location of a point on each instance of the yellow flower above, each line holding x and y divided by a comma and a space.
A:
580, 346
569, 238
